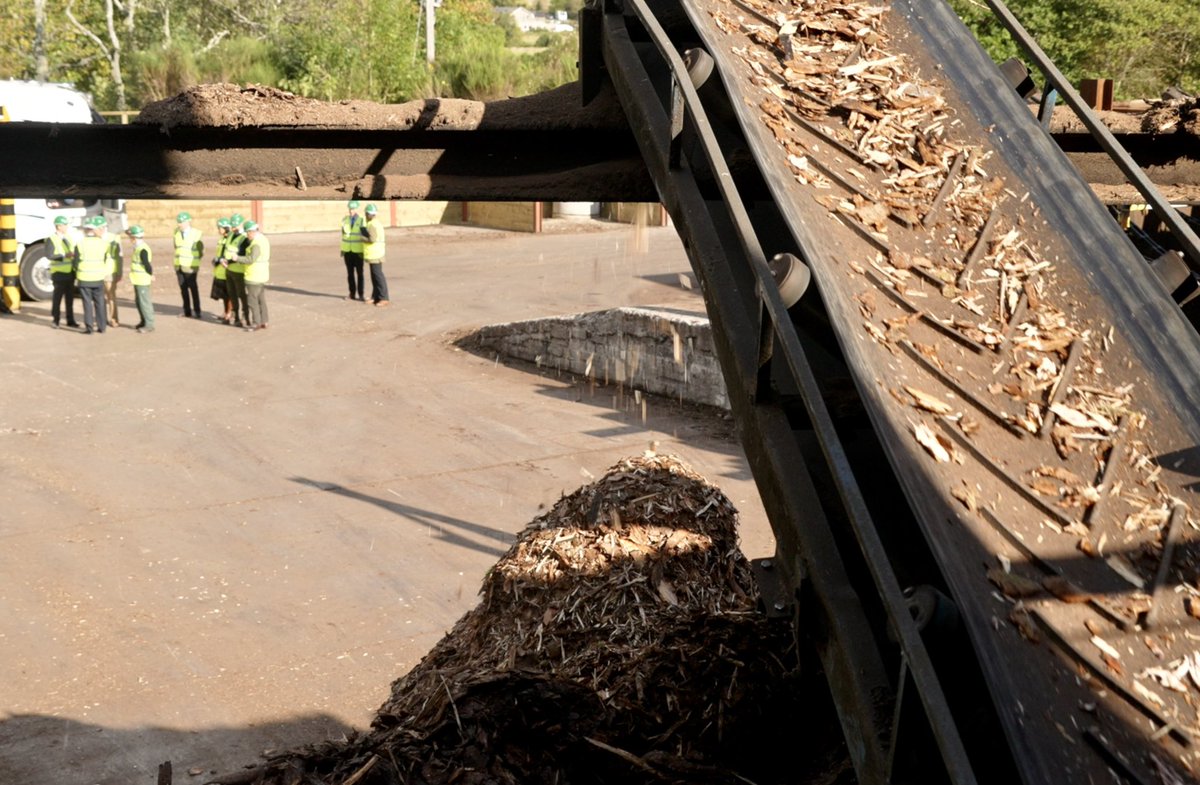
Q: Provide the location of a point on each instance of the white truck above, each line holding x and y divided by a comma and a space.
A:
47, 102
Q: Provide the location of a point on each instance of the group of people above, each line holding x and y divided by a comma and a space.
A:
364, 240
241, 269
94, 263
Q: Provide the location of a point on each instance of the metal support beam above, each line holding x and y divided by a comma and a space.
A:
556, 163
518, 164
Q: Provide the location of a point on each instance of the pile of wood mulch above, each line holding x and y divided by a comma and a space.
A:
1173, 114
617, 641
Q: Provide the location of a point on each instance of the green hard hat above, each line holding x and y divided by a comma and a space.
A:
371, 209
236, 220
250, 226
223, 223
352, 204
98, 222
136, 231
184, 216
61, 220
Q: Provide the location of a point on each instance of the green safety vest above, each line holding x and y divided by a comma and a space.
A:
232, 245
218, 268
62, 248
352, 239
373, 251
92, 265
137, 270
188, 249
258, 270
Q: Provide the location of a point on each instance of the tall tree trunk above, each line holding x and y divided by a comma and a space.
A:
40, 60
114, 56
111, 51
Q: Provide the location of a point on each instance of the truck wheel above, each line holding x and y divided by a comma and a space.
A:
35, 273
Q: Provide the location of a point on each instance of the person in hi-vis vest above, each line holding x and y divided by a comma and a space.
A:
91, 267
374, 247
189, 250
220, 284
352, 250
258, 273
235, 269
141, 275
62, 255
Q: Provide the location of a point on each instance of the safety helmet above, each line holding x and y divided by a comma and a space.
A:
61, 220
352, 204
184, 216
223, 223
236, 220
135, 231
97, 222
371, 209
250, 226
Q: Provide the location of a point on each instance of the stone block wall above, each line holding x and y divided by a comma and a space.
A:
662, 351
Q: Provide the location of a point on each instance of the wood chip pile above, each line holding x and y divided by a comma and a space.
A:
617, 641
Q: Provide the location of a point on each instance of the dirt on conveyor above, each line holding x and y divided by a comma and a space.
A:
1173, 115
258, 106
617, 641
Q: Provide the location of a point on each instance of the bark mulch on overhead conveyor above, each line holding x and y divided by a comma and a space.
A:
617, 641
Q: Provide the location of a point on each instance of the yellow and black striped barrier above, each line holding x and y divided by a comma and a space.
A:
10, 297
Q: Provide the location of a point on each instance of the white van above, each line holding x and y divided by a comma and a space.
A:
47, 102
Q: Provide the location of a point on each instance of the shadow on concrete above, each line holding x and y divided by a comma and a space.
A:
305, 292
704, 426
440, 523
674, 280
35, 748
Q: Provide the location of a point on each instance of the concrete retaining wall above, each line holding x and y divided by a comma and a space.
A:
663, 351
157, 216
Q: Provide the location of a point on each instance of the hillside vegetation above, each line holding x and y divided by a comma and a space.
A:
129, 52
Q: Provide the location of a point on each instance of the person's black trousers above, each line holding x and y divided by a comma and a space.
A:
95, 314
379, 291
64, 288
189, 288
354, 274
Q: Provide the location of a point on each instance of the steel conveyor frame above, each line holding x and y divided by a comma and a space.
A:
760, 352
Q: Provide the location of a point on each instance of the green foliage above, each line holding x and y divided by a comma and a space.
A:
375, 49
484, 71
557, 65
241, 60
512, 33
165, 71
1144, 45
353, 49
16, 60
161, 73
572, 7
478, 70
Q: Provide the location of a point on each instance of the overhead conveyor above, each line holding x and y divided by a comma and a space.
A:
1015, 469
966, 399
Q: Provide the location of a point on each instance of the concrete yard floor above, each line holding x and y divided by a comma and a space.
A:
217, 543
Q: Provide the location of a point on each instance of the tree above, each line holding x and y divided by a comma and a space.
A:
111, 50
1144, 45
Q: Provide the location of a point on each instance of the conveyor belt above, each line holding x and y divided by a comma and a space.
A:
1028, 381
